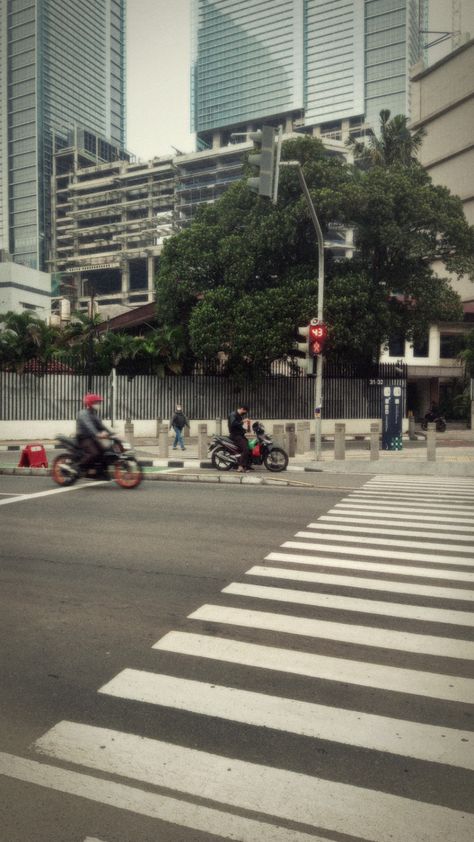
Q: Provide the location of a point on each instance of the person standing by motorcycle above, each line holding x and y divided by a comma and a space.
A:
90, 429
238, 424
178, 423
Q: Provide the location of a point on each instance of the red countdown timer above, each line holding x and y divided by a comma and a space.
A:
317, 337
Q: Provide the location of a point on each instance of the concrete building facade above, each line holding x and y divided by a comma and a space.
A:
326, 66
23, 288
62, 63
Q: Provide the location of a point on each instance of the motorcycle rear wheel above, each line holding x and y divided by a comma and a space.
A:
441, 425
60, 476
276, 460
218, 461
128, 473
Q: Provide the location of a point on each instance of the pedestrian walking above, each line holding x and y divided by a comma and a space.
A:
178, 423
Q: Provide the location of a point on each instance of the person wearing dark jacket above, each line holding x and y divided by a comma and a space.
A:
178, 423
238, 423
89, 429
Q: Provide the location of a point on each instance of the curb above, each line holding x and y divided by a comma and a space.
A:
219, 479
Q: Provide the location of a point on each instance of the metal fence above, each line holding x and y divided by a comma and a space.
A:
348, 392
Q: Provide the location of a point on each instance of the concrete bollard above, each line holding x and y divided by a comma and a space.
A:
128, 431
218, 426
307, 436
431, 443
411, 427
163, 442
374, 441
339, 441
278, 436
202, 442
159, 422
300, 437
291, 438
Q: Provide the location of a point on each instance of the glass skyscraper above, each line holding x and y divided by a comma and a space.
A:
62, 65
303, 63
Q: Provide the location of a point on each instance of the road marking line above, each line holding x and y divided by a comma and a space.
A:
447, 483
10, 494
93, 839
464, 500
161, 807
278, 793
394, 679
403, 514
405, 506
385, 542
51, 491
384, 585
430, 743
468, 561
346, 603
344, 632
457, 531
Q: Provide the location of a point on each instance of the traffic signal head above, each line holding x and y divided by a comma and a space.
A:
305, 360
264, 159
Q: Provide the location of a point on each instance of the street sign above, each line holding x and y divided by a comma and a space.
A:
392, 418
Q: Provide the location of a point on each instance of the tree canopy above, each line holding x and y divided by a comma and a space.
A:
243, 276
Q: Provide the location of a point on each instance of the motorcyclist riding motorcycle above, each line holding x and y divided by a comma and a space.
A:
237, 428
89, 430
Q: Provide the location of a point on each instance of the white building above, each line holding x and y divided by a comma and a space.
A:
22, 288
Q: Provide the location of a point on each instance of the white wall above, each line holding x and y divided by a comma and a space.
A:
30, 431
20, 285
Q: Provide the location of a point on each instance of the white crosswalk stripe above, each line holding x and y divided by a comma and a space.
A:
391, 564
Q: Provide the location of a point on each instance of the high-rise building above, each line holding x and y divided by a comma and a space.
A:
62, 65
314, 65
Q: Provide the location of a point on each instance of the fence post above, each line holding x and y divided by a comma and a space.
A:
374, 441
202, 442
218, 426
339, 441
291, 438
128, 429
163, 442
431, 443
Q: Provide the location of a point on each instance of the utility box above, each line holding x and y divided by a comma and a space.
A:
33, 456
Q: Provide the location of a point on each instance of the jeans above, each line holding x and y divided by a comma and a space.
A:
178, 439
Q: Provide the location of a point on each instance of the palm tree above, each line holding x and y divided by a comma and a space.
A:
396, 143
24, 337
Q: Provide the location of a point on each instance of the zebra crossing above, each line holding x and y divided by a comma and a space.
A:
354, 636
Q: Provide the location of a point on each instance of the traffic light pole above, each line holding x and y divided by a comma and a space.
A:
318, 386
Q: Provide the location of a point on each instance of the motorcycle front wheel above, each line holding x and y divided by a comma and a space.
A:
128, 473
276, 460
63, 470
220, 458
441, 425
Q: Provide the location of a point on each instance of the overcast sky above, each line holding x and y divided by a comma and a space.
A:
158, 70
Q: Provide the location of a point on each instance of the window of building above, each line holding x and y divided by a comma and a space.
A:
421, 346
396, 345
450, 346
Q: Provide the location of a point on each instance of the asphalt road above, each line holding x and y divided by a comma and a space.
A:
91, 578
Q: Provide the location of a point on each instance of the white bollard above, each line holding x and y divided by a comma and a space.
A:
374, 441
163, 445
431, 443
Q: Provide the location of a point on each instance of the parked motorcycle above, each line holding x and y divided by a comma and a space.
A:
118, 462
224, 452
433, 418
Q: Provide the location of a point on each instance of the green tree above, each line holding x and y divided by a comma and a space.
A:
243, 275
24, 337
396, 143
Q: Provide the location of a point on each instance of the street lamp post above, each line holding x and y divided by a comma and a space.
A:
318, 386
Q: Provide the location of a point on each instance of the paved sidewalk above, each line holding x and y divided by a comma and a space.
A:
454, 457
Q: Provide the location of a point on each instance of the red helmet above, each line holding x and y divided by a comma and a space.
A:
90, 400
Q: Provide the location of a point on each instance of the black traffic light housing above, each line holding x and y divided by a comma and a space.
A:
264, 159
